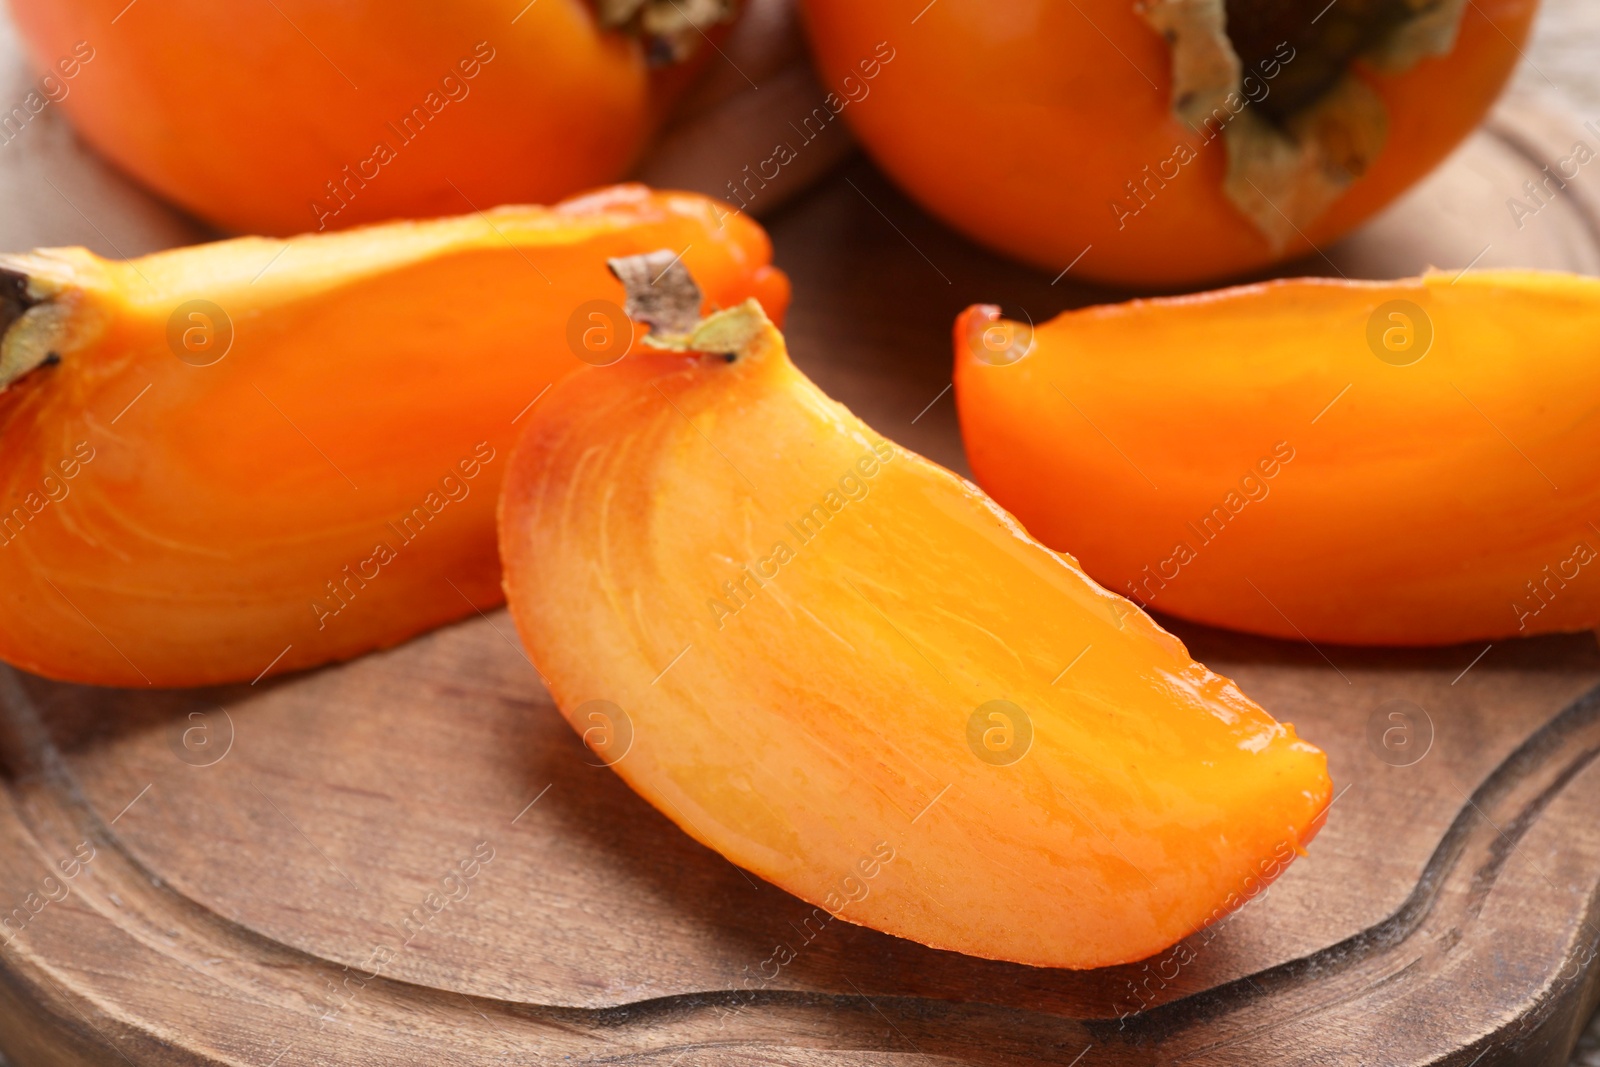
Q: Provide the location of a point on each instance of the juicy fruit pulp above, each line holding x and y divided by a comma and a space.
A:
848, 671
259, 454
1411, 463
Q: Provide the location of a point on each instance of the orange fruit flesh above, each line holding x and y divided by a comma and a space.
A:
1260, 458
785, 632
239, 514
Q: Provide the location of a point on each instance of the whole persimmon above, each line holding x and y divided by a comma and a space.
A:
297, 115
1164, 141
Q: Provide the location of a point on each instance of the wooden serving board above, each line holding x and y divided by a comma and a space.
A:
412, 859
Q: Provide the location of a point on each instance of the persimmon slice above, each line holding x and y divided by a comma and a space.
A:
263, 455
1414, 462
849, 671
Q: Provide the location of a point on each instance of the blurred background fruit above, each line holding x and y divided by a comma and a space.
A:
57, 191
1253, 133
295, 115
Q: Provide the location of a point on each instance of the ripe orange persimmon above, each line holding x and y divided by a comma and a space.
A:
1405, 463
849, 671
1163, 141
271, 454
300, 115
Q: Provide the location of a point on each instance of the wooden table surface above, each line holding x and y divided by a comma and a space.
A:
679, 922
1565, 53
1564, 57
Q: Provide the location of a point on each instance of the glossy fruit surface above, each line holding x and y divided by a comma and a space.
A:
272, 454
296, 115
1409, 463
850, 672
1050, 131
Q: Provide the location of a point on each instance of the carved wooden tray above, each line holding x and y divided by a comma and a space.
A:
411, 859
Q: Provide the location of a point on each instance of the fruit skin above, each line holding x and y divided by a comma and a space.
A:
807, 710
1018, 123
371, 373
243, 113
1363, 502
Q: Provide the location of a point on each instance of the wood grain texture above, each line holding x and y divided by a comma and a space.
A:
1560, 57
410, 858
232, 908
256, 850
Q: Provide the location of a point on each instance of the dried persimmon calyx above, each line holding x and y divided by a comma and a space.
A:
1299, 125
672, 29
39, 319
662, 293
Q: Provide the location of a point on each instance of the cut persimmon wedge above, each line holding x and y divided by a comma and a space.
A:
850, 672
1414, 462
262, 455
